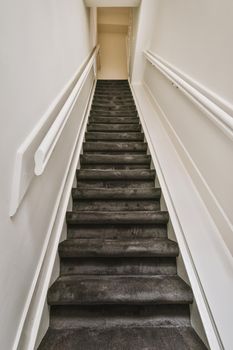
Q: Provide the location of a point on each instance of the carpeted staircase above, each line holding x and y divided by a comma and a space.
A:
118, 287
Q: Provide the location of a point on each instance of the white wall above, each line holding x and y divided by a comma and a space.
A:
194, 37
42, 45
204, 54
142, 30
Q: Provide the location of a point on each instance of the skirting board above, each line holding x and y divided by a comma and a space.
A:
188, 220
28, 334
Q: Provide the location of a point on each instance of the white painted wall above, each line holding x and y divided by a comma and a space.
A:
194, 37
204, 54
42, 45
143, 28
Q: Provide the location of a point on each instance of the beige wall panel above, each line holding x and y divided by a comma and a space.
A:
113, 60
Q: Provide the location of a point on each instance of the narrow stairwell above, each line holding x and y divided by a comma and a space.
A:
118, 287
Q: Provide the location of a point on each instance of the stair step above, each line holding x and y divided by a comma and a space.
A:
116, 193
115, 205
116, 184
114, 159
125, 231
115, 147
113, 103
114, 136
115, 174
110, 109
112, 81
140, 248
92, 290
123, 338
114, 120
118, 266
114, 127
108, 91
110, 116
115, 113
115, 166
108, 218
122, 88
107, 316
103, 101
115, 94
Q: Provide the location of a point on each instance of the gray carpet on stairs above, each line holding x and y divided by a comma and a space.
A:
118, 287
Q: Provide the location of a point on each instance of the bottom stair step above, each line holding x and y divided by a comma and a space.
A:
123, 338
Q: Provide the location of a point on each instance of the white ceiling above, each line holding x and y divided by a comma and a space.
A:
112, 3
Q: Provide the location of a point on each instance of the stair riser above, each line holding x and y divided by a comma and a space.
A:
114, 127
109, 102
109, 95
116, 175
115, 167
116, 184
113, 102
112, 89
116, 193
119, 205
117, 231
114, 114
105, 159
99, 109
114, 120
97, 218
109, 147
120, 266
98, 136
113, 316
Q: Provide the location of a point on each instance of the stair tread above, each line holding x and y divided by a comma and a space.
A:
113, 127
113, 120
113, 113
115, 159
118, 248
116, 174
114, 136
130, 217
116, 193
96, 289
123, 338
120, 147
109, 204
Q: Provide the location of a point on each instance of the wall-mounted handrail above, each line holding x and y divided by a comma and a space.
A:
44, 151
217, 114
